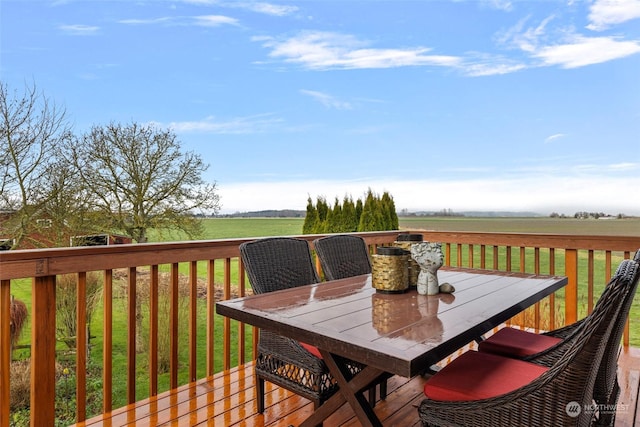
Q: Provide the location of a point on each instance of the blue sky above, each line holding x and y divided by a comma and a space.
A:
463, 105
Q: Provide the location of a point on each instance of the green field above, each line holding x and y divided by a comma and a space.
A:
226, 228
610, 227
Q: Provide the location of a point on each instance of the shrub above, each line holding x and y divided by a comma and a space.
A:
20, 377
18, 316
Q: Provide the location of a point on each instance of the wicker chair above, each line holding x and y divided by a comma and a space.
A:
545, 396
281, 263
545, 348
342, 256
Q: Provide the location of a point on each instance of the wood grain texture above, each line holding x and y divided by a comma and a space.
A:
228, 399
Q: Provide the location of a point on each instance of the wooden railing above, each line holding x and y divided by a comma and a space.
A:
212, 271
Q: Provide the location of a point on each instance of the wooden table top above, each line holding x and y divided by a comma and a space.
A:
398, 333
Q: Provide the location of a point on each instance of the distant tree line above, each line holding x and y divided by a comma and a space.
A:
588, 215
269, 213
376, 213
441, 213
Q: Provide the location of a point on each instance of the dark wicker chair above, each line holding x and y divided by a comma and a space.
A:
606, 388
560, 395
342, 256
281, 263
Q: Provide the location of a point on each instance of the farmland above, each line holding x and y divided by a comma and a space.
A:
225, 228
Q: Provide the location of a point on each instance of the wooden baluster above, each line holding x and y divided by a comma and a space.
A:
153, 331
241, 327
211, 312
571, 290
131, 335
552, 297
193, 317
536, 269
107, 342
226, 344
43, 351
174, 326
81, 347
590, 281
447, 252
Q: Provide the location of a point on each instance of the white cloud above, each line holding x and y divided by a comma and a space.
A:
327, 100
79, 30
624, 166
553, 137
326, 50
266, 8
214, 20
201, 20
605, 13
254, 6
505, 5
581, 51
203, 2
486, 65
563, 46
525, 39
151, 21
543, 194
239, 125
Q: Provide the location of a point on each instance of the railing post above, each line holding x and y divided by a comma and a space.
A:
5, 350
43, 351
571, 290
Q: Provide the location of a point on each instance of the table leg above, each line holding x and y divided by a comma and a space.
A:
349, 391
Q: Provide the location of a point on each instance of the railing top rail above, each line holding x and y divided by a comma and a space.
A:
28, 263
540, 240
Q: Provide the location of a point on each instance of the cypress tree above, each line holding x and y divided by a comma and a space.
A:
311, 218
374, 214
389, 211
337, 221
323, 213
349, 215
370, 220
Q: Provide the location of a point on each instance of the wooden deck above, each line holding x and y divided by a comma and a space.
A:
228, 399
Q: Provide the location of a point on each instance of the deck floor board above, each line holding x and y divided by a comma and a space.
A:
228, 399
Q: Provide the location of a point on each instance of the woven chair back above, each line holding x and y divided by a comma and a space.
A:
278, 263
342, 256
607, 374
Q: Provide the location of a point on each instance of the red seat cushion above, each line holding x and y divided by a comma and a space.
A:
517, 343
311, 349
475, 375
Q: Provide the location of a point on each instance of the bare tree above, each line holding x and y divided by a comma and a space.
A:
68, 204
138, 179
31, 126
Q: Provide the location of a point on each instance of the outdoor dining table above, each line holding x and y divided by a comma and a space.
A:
396, 333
